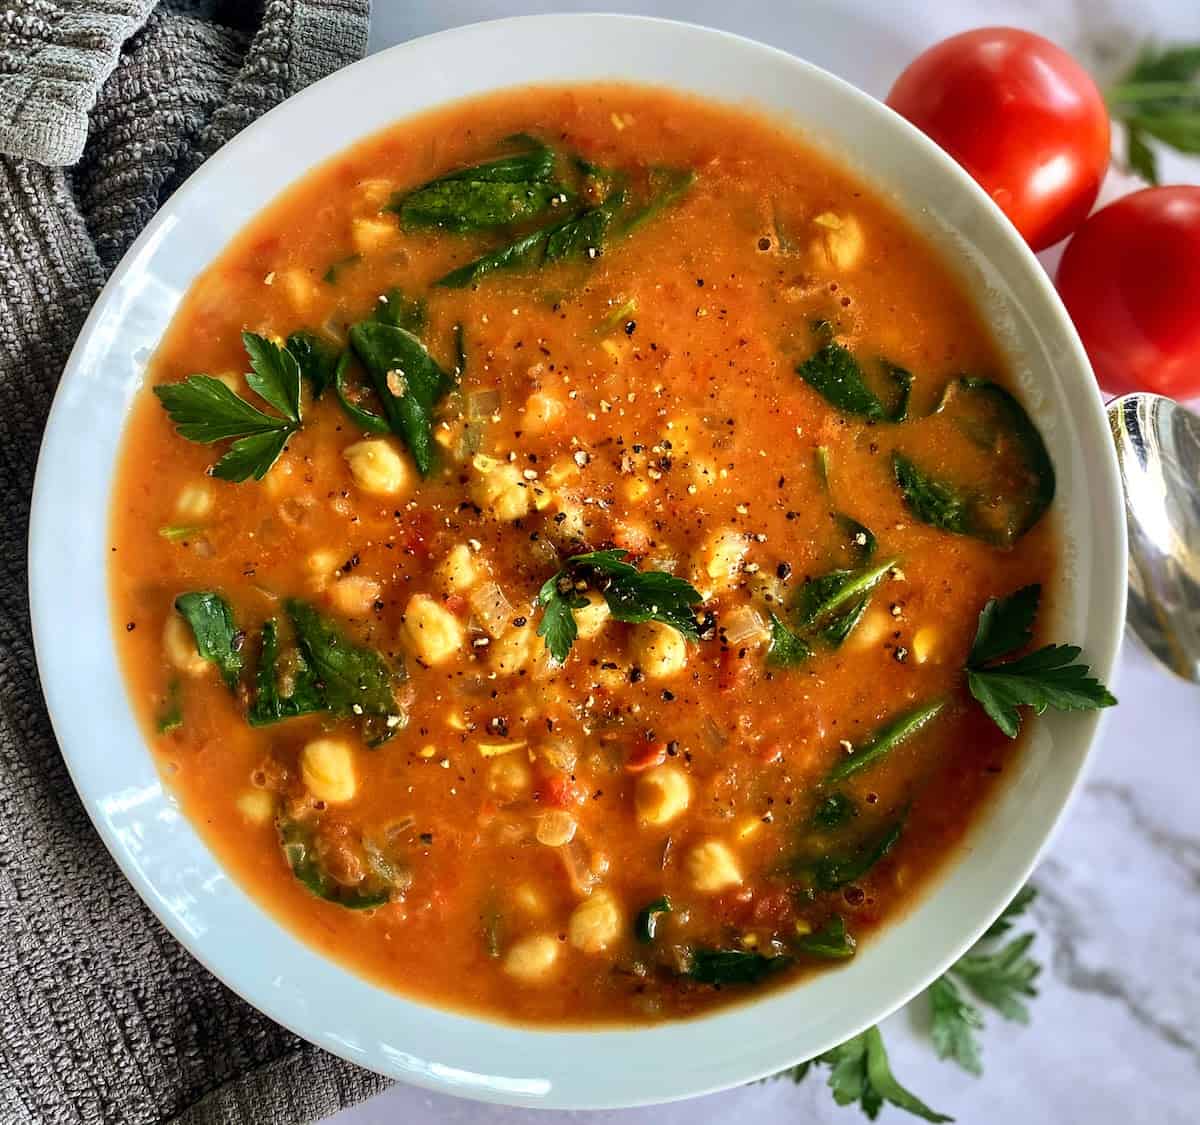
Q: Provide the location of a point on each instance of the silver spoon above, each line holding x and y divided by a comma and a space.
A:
1158, 448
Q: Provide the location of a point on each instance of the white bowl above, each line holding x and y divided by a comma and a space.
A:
139, 820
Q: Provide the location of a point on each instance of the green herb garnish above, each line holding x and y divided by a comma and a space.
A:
733, 966
364, 419
171, 716
836, 375
218, 640
331, 275
860, 1072
632, 595
492, 194
297, 841
1045, 678
884, 740
205, 410
317, 357
646, 923
954, 1022
832, 942
834, 811
407, 379
1160, 98
998, 513
831, 872
304, 693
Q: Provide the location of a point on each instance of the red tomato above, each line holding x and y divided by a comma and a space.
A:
1130, 279
1022, 116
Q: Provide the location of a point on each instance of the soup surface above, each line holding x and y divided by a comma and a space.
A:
591, 647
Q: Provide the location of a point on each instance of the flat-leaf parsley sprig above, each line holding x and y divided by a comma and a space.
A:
205, 410
1048, 677
632, 595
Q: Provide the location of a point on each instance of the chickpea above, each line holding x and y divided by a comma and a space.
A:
355, 595
658, 650
513, 651
662, 794
256, 805
378, 468
712, 867
721, 558
195, 501
596, 923
502, 492
370, 234
591, 618
509, 777
542, 412
431, 631
179, 644
457, 571
327, 768
532, 959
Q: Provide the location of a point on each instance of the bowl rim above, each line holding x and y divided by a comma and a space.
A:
595, 1087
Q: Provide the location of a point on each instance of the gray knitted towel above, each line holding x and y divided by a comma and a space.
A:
103, 1017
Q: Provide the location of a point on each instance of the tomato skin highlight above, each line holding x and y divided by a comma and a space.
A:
1021, 116
1130, 279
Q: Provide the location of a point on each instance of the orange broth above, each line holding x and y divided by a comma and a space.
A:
646, 398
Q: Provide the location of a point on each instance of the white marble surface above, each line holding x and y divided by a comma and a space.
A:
1115, 1034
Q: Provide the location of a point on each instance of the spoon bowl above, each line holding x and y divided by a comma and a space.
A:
1158, 450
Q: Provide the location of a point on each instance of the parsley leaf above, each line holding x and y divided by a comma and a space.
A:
1160, 98
1014, 909
954, 1023
218, 640
1045, 678
861, 1073
1000, 979
205, 410
632, 595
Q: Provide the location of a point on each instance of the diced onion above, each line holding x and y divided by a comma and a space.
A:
555, 828
491, 608
481, 405
581, 872
744, 623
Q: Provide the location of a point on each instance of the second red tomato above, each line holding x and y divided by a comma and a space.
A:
1022, 116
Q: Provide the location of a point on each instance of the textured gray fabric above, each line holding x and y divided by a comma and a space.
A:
103, 1017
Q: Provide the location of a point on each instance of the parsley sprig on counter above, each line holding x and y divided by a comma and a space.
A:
859, 1069
1048, 677
205, 410
1159, 98
632, 595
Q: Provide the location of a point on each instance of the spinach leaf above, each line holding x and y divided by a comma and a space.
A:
331, 275
834, 811
860, 540
583, 237
1002, 510
831, 942
832, 872
528, 250
407, 379
299, 849
317, 357
887, 738
305, 695
218, 640
352, 679
486, 195
666, 187
733, 966
171, 716
401, 311
933, 501
646, 922
819, 599
364, 419
786, 648
835, 374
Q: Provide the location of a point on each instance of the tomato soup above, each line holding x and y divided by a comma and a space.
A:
548, 546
